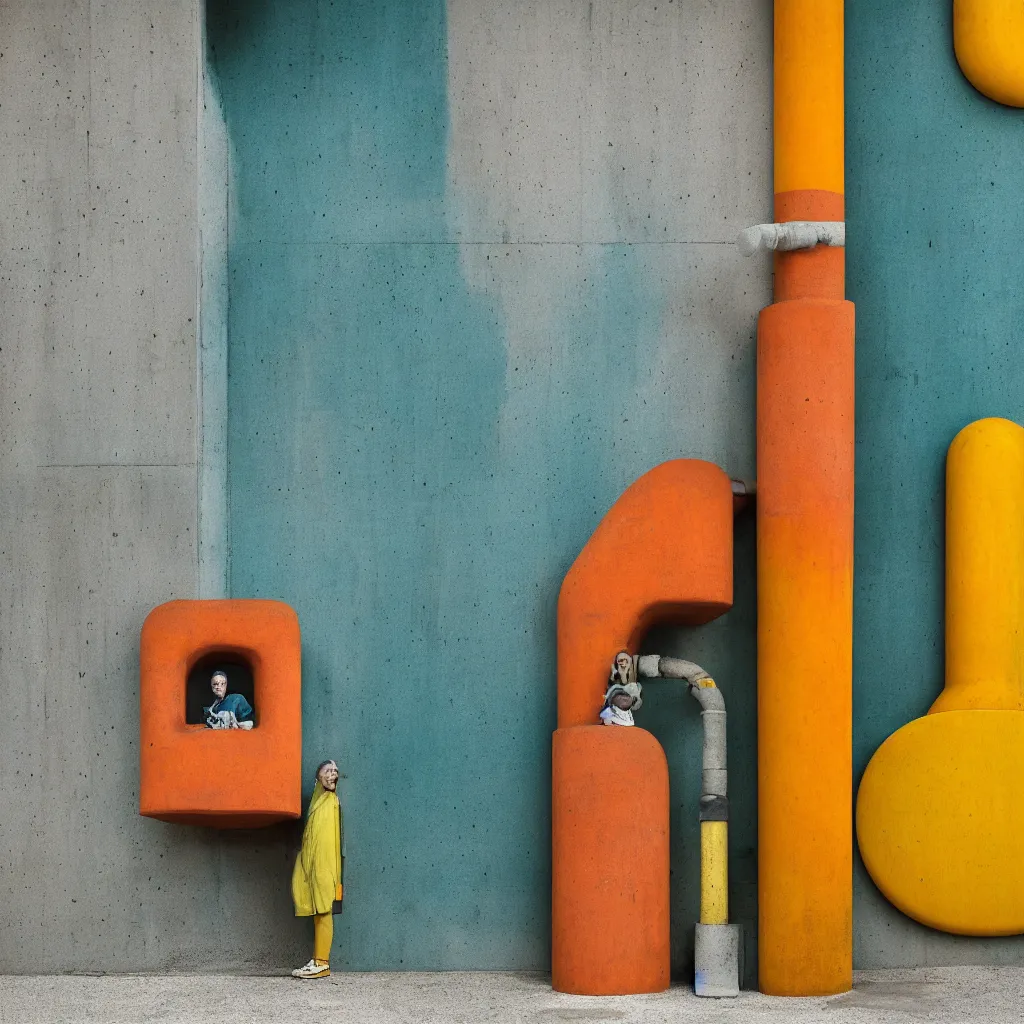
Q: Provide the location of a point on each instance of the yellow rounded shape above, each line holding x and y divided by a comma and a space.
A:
988, 36
985, 568
940, 821
714, 872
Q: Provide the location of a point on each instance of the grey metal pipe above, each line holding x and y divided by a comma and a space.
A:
680, 668
714, 776
714, 786
717, 943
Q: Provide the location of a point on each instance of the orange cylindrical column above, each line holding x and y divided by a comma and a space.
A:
805, 446
610, 862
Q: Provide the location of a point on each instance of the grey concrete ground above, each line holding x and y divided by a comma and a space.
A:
934, 994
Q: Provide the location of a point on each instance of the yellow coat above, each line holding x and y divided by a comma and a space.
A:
316, 880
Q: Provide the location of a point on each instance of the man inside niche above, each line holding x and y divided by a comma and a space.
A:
229, 710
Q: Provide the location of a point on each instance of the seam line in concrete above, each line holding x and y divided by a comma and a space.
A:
418, 241
118, 465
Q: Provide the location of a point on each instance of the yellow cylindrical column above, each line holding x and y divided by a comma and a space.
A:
808, 95
985, 569
805, 449
714, 872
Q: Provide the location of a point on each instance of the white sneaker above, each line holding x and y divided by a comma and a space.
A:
312, 970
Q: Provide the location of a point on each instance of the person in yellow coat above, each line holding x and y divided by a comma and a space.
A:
316, 880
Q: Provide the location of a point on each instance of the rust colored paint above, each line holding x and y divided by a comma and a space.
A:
663, 552
805, 451
610, 862
223, 778
984, 569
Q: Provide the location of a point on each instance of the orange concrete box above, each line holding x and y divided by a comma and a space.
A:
229, 778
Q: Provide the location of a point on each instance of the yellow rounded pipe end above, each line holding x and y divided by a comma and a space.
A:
988, 37
985, 568
809, 95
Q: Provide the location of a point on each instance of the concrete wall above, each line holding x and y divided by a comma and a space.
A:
98, 514
934, 177
481, 278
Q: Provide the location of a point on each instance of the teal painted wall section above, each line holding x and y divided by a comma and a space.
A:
416, 486
935, 175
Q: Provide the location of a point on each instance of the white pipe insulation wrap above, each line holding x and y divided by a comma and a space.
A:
714, 777
791, 234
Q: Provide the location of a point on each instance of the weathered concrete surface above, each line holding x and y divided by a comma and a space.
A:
98, 491
212, 351
580, 171
98, 397
590, 122
989, 995
482, 276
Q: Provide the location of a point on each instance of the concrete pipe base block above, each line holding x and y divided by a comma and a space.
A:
716, 967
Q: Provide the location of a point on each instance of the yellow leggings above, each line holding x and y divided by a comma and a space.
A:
323, 936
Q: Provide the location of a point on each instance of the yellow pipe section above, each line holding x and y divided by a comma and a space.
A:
988, 37
939, 812
808, 95
714, 872
985, 568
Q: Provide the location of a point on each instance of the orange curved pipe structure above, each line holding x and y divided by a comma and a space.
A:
988, 37
805, 449
663, 551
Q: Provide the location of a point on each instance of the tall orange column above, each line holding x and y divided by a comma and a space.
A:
805, 446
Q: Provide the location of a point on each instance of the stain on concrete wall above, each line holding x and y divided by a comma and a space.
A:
935, 173
213, 166
480, 279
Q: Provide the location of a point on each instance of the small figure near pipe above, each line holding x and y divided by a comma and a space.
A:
319, 867
623, 695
